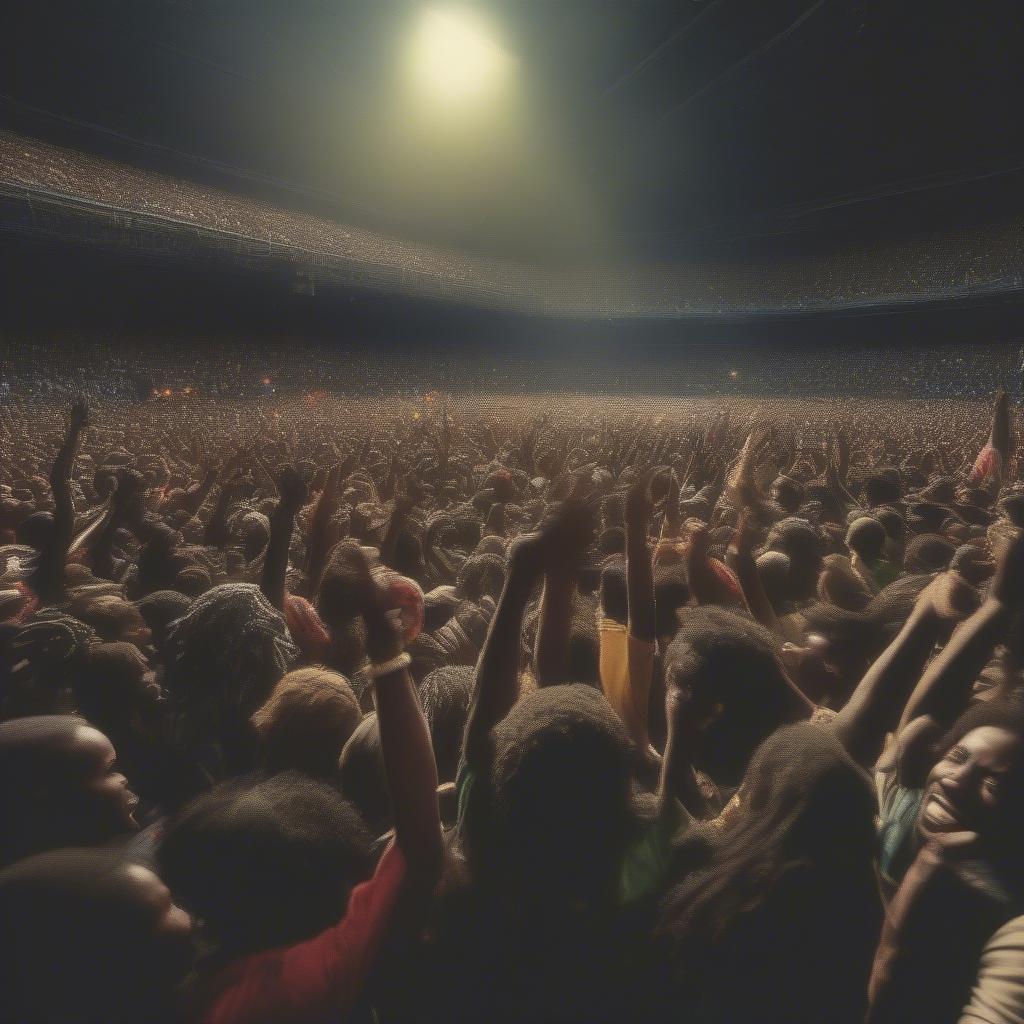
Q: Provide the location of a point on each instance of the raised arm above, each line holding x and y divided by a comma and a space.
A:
627, 662
496, 685
191, 501
874, 707
639, 574
128, 490
408, 756
1002, 428
282, 522
399, 511
319, 541
739, 557
566, 537
216, 533
1000, 441
945, 687
672, 522
48, 579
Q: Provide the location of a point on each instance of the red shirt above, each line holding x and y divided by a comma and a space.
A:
321, 978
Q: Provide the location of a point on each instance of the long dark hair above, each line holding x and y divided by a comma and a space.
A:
805, 806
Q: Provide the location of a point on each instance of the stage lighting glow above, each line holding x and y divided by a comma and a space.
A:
455, 59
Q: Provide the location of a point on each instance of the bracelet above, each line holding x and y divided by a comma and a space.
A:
385, 668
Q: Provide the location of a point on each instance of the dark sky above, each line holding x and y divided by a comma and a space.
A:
656, 129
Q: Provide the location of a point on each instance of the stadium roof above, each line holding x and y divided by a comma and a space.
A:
660, 129
51, 192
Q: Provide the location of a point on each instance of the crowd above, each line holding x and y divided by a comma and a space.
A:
314, 710
233, 367
157, 213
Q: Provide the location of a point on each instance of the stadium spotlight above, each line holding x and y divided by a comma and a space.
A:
455, 60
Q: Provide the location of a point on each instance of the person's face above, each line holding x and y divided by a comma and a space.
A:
107, 798
964, 792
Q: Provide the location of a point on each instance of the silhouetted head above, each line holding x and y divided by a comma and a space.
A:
266, 862
866, 536
729, 668
306, 722
549, 825
88, 936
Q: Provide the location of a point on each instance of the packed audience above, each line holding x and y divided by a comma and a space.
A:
40, 369
91, 192
315, 710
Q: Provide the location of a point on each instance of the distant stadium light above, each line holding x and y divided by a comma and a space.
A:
454, 58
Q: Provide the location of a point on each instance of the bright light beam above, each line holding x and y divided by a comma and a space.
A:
454, 58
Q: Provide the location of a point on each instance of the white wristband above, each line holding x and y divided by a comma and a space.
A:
385, 668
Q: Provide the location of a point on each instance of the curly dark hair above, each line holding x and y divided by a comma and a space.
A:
725, 657
551, 819
266, 861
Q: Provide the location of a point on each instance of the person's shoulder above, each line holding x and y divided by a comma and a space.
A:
1010, 937
998, 993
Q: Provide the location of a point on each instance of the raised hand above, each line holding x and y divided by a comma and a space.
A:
79, 415
383, 636
743, 540
347, 466
672, 519
842, 452
949, 596
1008, 583
559, 544
127, 500
293, 489
642, 495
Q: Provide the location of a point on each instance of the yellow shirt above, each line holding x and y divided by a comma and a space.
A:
627, 667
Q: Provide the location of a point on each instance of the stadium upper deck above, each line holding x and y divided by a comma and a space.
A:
50, 192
